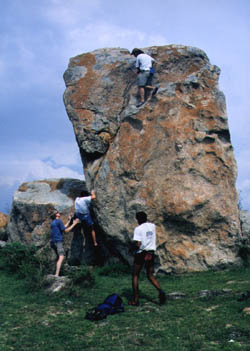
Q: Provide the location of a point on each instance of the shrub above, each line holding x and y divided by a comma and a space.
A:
244, 253
15, 255
114, 270
82, 276
3, 234
33, 275
24, 262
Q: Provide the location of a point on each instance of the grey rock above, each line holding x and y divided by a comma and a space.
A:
30, 220
245, 226
212, 293
2, 243
74, 74
53, 284
176, 295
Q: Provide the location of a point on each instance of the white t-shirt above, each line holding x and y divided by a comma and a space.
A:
82, 204
146, 234
144, 62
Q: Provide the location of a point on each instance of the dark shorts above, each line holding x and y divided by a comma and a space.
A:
84, 218
58, 247
144, 257
144, 78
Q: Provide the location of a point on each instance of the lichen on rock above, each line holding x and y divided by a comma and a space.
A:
172, 157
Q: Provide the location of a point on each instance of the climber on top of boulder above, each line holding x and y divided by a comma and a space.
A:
145, 70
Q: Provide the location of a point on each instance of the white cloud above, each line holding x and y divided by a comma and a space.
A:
67, 13
40, 161
243, 181
244, 194
244, 162
23, 171
25, 60
67, 28
62, 153
99, 35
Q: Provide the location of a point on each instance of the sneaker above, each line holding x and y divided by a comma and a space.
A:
155, 91
162, 298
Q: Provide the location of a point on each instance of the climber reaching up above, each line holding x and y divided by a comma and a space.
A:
82, 211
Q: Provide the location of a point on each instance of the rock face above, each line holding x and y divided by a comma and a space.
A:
245, 226
32, 206
172, 157
4, 220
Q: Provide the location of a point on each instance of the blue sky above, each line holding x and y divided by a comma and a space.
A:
37, 39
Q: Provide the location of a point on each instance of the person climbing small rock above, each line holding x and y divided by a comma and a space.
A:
145, 70
57, 229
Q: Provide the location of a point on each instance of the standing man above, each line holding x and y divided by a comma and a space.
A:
144, 65
145, 237
57, 228
82, 211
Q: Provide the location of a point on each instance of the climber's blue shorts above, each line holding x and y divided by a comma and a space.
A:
84, 218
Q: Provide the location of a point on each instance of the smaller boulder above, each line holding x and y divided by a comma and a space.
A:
32, 207
4, 220
54, 284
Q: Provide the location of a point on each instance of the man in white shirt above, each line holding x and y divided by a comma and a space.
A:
144, 65
145, 237
82, 211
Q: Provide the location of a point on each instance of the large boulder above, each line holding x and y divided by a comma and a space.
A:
172, 157
32, 207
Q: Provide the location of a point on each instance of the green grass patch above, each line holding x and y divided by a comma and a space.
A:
35, 320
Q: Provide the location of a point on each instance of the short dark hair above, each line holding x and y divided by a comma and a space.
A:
136, 51
53, 216
141, 217
84, 193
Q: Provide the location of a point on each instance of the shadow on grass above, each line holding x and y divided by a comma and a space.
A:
128, 294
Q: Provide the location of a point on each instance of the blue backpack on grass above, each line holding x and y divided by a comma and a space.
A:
111, 305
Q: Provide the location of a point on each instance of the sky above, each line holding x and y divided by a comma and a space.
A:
37, 39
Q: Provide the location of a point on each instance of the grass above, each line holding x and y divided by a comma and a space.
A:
34, 320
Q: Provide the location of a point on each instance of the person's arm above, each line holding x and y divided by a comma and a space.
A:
138, 244
68, 223
137, 238
75, 222
93, 196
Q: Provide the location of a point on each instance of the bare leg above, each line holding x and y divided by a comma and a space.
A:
150, 275
135, 282
59, 264
151, 278
93, 236
142, 93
